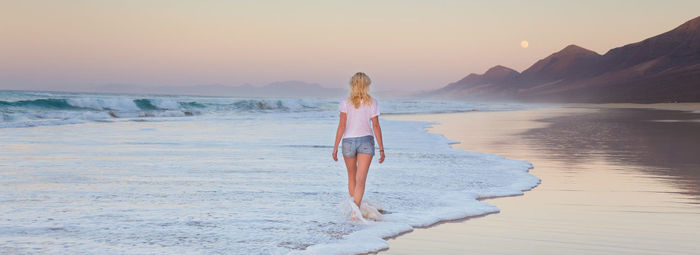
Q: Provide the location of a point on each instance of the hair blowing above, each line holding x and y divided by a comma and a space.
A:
359, 89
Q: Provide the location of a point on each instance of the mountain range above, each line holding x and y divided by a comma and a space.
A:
663, 68
297, 89
289, 89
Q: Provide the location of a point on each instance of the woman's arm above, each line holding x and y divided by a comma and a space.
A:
339, 134
378, 134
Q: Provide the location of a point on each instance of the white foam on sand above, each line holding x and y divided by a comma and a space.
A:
446, 204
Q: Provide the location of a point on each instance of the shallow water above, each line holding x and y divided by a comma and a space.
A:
257, 181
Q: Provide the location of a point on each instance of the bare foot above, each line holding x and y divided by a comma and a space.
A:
356, 214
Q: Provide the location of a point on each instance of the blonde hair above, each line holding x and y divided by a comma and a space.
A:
359, 89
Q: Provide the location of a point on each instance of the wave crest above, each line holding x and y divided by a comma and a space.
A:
18, 108
46, 103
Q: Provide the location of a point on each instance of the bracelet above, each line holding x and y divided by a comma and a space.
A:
381, 150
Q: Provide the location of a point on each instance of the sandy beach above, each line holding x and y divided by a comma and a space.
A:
616, 179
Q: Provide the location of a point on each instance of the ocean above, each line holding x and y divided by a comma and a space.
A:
88, 173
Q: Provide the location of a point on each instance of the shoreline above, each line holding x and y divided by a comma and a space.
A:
459, 220
536, 120
685, 107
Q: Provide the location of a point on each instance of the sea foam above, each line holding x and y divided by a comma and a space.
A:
257, 181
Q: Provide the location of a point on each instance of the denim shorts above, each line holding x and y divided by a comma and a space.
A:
352, 146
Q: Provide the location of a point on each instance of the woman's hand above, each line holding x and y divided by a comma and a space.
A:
335, 154
381, 156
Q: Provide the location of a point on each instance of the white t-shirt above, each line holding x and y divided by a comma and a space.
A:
359, 121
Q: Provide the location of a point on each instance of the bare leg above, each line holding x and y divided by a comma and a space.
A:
363, 162
351, 164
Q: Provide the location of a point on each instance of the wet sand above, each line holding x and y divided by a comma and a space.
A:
614, 181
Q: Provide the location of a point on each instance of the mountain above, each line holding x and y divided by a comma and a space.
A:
488, 83
663, 68
567, 63
293, 89
275, 89
680, 46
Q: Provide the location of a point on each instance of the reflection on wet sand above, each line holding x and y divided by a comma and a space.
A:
614, 181
669, 148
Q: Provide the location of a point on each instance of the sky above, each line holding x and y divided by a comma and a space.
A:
402, 45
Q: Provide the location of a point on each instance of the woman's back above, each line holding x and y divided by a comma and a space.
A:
359, 119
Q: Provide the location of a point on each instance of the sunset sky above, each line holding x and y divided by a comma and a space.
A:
407, 45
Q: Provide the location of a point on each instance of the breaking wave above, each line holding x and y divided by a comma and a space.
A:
27, 109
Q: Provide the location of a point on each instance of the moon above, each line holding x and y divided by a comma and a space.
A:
524, 44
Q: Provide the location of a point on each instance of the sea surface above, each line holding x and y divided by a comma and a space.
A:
85, 173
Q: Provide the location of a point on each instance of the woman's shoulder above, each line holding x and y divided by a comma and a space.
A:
373, 102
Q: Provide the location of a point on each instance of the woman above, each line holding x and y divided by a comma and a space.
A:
359, 120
